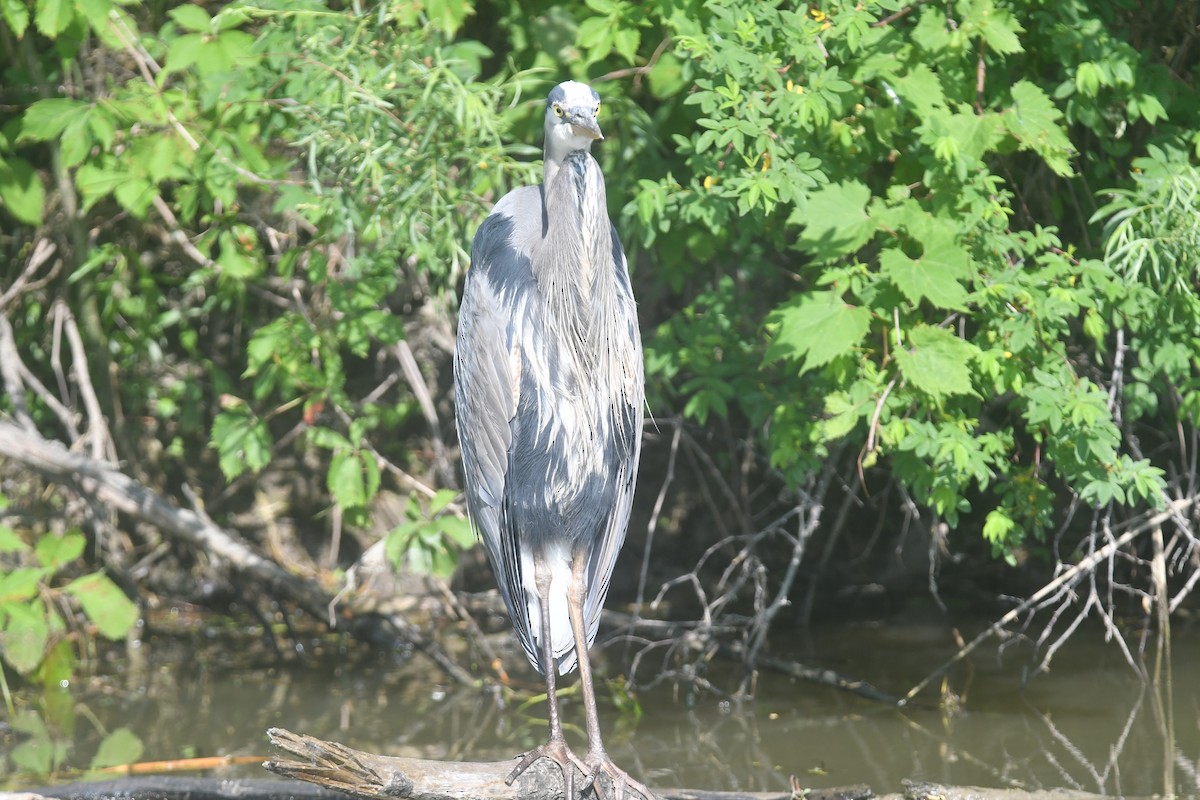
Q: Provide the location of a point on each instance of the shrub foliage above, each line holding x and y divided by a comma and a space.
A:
955, 240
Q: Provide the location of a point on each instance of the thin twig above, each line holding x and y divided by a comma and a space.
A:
655, 515
97, 430
1067, 577
638, 72
416, 382
41, 254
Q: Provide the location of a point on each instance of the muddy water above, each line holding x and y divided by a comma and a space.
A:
1088, 723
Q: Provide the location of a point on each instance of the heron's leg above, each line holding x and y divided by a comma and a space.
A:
555, 748
597, 759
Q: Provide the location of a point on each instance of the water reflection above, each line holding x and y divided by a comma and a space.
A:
1088, 724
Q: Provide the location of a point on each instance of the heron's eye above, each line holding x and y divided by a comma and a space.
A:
558, 110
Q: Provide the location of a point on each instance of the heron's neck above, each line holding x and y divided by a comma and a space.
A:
574, 262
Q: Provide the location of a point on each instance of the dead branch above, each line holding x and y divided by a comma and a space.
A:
1066, 579
42, 251
698, 637
101, 483
416, 382
10, 371
336, 766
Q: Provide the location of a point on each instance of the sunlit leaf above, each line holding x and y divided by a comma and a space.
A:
192, 17
55, 551
837, 222
16, 14
937, 362
935, 276
105, 604
51, 17
817, 329
21, 191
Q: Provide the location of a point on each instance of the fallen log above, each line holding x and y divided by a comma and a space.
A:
335, 766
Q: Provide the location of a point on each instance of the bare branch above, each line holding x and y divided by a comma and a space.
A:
1069, 576
103, 484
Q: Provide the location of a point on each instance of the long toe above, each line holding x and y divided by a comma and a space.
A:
557, 751
599, 763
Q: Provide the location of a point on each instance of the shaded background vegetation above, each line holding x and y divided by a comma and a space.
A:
918, 285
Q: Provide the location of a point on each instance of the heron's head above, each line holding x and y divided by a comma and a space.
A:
571, 109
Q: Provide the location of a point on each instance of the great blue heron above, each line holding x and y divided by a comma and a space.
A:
548, 392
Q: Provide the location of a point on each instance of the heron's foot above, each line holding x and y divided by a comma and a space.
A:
557, 751
599, 763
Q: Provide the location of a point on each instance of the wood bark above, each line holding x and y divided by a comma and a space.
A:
335, 766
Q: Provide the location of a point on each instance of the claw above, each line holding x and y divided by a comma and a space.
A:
600, 762
557, 751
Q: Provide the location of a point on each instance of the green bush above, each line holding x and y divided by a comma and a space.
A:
956, 239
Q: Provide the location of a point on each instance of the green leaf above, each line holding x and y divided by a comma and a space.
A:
937, 362
818, 329
1148, 107
626, 41
25, 636
10, 542
997, 526
837, 221
935, 276
921, 88
1000, 31
53, 16
1034, 121
98, 180
841, 415
441, 499
458, 531
135, 194
21, 191
96, 12
105, 604
232, 47
666, 78
183, 53
192, 17
241, 440
1088, 78
351, 480
19, 585
38, 754
119, 748
47, 119
16, 14
56, 551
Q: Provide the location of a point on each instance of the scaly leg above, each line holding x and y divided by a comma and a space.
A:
555, 748
597, 759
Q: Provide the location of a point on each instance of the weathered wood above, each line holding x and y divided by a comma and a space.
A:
335, 766
366, 775
179, 787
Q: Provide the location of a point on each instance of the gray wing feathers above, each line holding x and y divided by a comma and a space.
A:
484, 376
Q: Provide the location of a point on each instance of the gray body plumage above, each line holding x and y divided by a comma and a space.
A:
549, 385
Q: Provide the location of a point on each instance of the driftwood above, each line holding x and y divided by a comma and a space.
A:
366, 775
335, 766
179, 787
